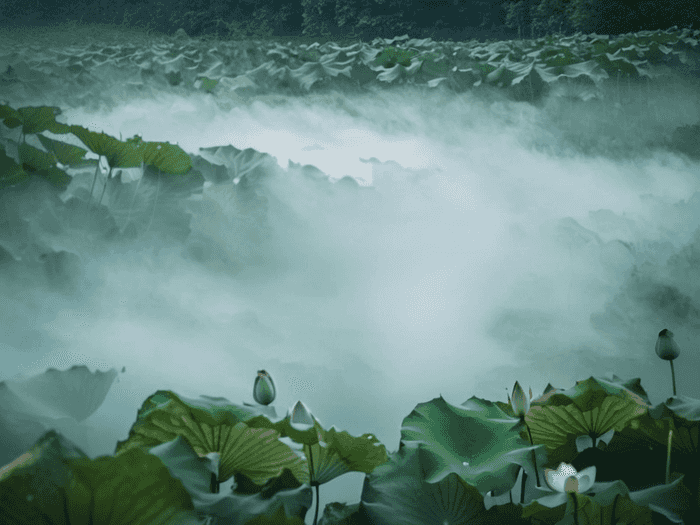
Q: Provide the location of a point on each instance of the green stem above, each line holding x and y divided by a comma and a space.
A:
668, 454
613, 508
673, 377
534, 458
94, 179
133, 199
155, 201
104, 188
311, 482
573, 495
317, 505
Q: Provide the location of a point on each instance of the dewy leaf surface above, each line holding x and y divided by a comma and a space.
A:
477, 441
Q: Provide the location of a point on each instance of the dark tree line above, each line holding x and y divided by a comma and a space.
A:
366, 19
533, 18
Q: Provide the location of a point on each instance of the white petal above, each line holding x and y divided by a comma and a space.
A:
586, 478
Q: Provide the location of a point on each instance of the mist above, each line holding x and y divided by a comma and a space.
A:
487, 241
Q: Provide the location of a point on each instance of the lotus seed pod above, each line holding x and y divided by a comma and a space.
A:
666, 347
264, 389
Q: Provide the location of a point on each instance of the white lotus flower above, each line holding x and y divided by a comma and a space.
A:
566, 479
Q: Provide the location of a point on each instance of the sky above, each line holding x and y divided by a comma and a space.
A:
486, 251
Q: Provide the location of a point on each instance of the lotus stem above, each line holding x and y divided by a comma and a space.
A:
155, 202
317, 505
104, 188
534, 458
311, 482
133, 199
673, 378
668, 455
94, 179
614, 507
573, 495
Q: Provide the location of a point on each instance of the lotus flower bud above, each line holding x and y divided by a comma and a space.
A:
666, 347
301, 417
519, 401
264, 389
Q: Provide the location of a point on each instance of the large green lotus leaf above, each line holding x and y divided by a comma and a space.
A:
312, 72
503, 76
10, 117
477, 441
75, 393
154, 202
11, 172
680, 414
558, 57
285, 503
246, 167
166, 157
51, 400
248, 439
336, 453
605, 501
592, 408
215, 425
346, 453
54, 483
589, 69
306, 75
461, 80
117, 153
62, 152
623, 41
599, 44
521, 70
332, 453
398, 487
399, 72
33, 119
593, 390
614, 64
612, 505
527, 83
391, 56
73, 226
362, 73
433, 65
44, 164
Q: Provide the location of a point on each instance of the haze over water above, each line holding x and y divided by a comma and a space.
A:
473, 262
